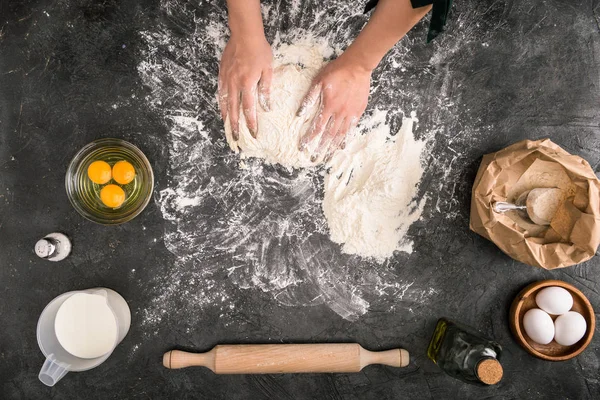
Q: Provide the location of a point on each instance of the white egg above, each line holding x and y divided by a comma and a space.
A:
538, 325
554, 300
570, 328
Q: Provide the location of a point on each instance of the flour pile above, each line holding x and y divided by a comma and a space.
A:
370, 186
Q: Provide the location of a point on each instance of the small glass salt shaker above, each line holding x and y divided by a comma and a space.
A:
53, 247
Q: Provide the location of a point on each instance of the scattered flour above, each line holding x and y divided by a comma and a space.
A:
244, 224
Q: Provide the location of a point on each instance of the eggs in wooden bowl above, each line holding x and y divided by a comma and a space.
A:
541, 318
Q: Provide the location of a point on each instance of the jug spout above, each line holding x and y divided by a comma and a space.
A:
52, 371
101, 292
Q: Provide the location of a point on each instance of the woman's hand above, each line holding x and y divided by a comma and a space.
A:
245, 71
343, 88
343, 85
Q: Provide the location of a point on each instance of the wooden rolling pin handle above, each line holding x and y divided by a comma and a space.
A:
393, 358
176, 359
285, 358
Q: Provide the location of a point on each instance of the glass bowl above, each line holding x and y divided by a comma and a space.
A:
85, 194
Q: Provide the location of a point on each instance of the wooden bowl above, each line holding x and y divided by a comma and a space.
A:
552, 351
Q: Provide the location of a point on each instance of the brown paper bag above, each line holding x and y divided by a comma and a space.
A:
502, 176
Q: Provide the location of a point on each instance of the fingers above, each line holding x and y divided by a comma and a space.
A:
233, 111
222, 99
338, 139
310, 99
249, 106
318, 125
230, 101
330, 133
326, 138
349, 125
264, 89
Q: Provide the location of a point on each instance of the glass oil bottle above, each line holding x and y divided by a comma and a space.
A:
464, 354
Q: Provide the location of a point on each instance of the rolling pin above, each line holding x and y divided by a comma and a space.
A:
285, 358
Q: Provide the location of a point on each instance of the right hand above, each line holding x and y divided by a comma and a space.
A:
245, 71
343, 86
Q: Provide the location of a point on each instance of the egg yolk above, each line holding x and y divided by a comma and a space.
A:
123, 172
112, 196
99, 172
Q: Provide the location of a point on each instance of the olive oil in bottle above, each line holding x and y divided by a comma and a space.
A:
464, 354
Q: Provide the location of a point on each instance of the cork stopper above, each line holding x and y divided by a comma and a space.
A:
489, 371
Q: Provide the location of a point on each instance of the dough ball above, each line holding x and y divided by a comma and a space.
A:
279, 130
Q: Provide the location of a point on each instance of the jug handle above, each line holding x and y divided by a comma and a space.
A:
52, 371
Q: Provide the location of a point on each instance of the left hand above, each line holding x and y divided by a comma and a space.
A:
244, 72
343, 86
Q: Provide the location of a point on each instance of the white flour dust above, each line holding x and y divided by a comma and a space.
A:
261, 226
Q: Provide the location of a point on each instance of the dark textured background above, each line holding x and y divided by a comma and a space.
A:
536, 76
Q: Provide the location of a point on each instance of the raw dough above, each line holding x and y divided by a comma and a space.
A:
279, 130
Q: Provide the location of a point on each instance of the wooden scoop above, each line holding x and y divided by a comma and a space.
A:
285, 358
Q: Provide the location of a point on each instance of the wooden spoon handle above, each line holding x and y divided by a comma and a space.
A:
285, 358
